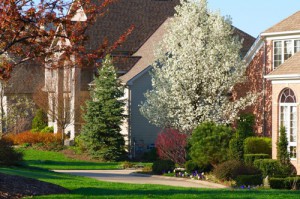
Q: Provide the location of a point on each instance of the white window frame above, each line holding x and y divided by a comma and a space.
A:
282, 49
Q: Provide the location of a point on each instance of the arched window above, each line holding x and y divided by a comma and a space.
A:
288, 118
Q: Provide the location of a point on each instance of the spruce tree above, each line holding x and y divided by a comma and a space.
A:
103, 116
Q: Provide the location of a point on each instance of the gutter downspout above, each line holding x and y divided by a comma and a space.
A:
264, 91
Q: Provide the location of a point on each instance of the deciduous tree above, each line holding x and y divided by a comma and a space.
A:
198, 62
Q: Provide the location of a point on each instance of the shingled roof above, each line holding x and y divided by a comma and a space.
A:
290, 67
290, 23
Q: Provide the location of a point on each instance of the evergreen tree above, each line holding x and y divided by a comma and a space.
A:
103, 116
282, 147
39, 121
198, 62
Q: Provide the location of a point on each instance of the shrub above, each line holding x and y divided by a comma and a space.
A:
245, 125
229, 170
48, 129
150, 156
31, 138
282, 146
257, 145
251, 180
8, 156
192, 166
250, 158
39, 121
210, 143
273, 168
163, 166
236, 148
171, 145
277, 183
293, 183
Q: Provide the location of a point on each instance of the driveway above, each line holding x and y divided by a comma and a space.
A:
129, 176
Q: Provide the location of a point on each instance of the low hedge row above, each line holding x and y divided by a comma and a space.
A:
285, 183
252, 180
273, 168
250, 158
258, 145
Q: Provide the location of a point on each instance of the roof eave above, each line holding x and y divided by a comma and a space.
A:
265, 34
283, 77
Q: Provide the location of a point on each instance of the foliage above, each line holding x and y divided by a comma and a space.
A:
81, 187
258, 145
192, 166
252, 180
230, 169
171, 145
163, 166
273, 168
209, 143
103, 116
282, 147
245, 125
48, 129
39, 121
8, 155
41, 18
34, 138
250, 158
285, 183
150, 156
236, 147
195, 70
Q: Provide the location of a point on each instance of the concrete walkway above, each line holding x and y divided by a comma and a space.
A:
129, 176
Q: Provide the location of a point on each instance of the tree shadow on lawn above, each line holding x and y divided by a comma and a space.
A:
187, 193
71, 165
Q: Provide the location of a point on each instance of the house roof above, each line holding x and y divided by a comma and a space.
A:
290, 67
290, 23
145, 15
248, 40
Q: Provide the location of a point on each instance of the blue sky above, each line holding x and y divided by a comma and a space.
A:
255, 16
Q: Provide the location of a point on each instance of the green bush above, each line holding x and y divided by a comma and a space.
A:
273, 168
251, 180
229, 170
245, 125
277, 183
282, 147
191, 166
150, 156
210, 143
250, 158
163, 166
39, 121
236, 148
258, 145
8, 156
293, 182
48, 129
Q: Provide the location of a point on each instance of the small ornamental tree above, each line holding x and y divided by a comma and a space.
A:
39, 121
171, 145
210, 143
103, 116
282, 147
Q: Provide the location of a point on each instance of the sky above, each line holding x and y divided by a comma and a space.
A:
255, 16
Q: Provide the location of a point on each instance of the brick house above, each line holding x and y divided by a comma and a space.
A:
133, 61
274, 70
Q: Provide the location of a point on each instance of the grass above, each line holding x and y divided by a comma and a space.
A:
55, 160
81, 187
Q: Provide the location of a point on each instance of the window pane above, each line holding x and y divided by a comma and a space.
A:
297, 45
288, 49
293, 152
277, 53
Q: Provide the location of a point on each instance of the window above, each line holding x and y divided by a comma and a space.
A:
288, 119
284, 49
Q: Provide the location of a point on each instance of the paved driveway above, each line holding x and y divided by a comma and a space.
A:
129, 176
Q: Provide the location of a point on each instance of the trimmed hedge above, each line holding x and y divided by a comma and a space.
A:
285, 183
251, 180
250, 158
273, 168
163, 166
258, 145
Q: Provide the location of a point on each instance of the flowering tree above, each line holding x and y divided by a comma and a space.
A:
198, 62
28, 29
171, 145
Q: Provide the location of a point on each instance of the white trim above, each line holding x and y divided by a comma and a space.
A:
283, 37
281, 33
283, 77
253, 50
285, 82
130, 82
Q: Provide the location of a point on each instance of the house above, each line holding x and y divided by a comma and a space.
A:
274, 70
133, 61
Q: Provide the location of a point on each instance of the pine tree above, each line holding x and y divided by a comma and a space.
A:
198, 62
104, 113
282, 147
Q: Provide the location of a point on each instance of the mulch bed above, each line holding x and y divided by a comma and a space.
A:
18, 187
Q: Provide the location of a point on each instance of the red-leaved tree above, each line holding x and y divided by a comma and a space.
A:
171, 145
29, 29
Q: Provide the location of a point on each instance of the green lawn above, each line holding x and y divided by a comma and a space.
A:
55, 160
81, 187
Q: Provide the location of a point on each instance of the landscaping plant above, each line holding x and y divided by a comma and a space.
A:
282, 147
258, 145
8, 155
103, 116
39, 121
